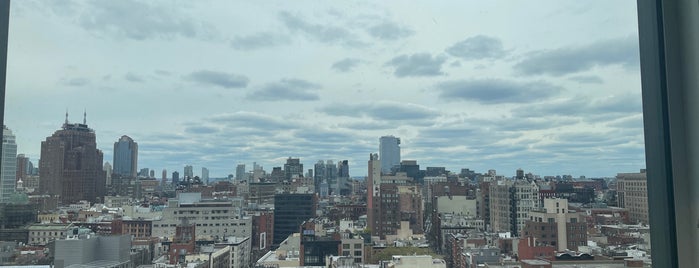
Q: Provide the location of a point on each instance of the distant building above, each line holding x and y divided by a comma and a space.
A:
343, 169
175, 177
292, 168
24, 167
510, 202
71, 165
632, 193
188, 172
213, 218
389, 151
108, 172
94, 251
205, 175
125, 157
8, 174
240, 172
556, 225
290, 210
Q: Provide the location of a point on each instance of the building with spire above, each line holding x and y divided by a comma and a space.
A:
71, 164
9, 165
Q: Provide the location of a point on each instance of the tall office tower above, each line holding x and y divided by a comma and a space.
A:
373, 185
8, 174
331, 176
293, 167
23, 167
108, 171
144, 172
188, 172
389, 151
205, 175
555, 225
125, 157
343, 169
510, 203
151, 173
520, 174
318, 174
632, 194
163, 179
290, 210
175, 177
71, 165
240, 172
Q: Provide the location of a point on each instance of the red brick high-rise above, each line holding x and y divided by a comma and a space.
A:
71, 165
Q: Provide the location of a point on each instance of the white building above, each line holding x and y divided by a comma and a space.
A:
510, 202
213, 218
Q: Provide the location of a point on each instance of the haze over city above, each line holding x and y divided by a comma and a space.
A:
552, 90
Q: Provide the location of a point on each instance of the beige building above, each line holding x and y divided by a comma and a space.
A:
632, 194
556, 225
213, 218
41, 234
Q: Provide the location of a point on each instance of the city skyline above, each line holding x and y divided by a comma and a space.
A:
463, 86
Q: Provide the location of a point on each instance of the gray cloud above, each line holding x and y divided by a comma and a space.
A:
163, 72
287, 90
345, 65
389, 31
478, 47
383, 110
140, 21
131, 77
591, 108
220, 79
562, 61
490, 91
75, 82
201, 130
250, 120
587, 79
319, 32
259, 41
419, 64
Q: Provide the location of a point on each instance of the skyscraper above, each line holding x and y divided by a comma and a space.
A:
389, 153
23, 167
108, 170
71, 165
188, 172
240, 172
9, 165
175, 177
125, 157
205, 175
293, 167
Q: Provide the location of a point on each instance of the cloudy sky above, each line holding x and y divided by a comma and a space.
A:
552, 88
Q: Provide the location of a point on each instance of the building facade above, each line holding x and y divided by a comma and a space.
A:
389, 151
8, 174
71, 165
125, 157
556, 225
290, 210
632, 193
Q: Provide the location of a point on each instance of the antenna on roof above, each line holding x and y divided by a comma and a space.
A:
85, 117
66, 115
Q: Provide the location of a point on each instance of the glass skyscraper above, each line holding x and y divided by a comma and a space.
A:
389, 153
9, 165
125, 157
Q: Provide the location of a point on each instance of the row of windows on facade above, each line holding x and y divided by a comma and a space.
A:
203, 224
